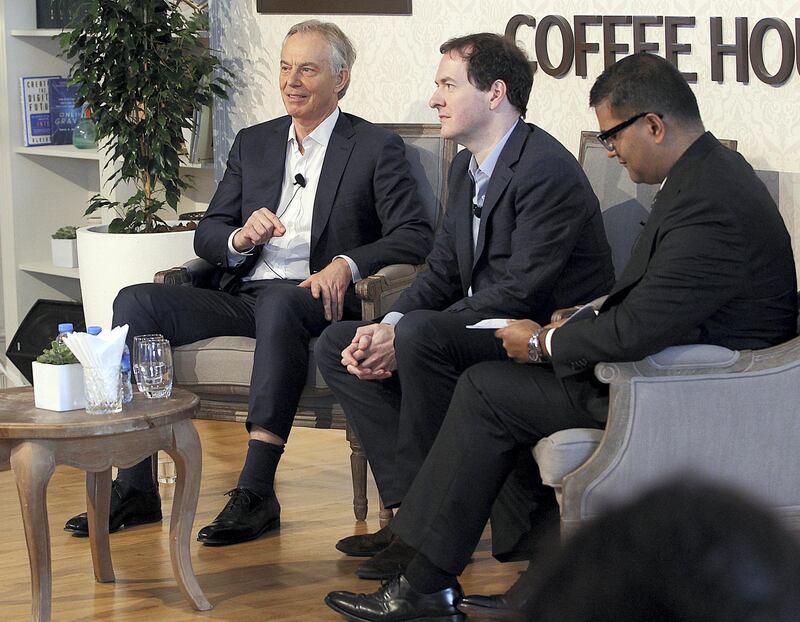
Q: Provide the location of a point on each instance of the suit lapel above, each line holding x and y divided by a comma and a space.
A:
273, 165
336, 156
462, 202
501, 177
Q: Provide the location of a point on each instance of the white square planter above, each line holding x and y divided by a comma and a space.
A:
65, 253
58, 387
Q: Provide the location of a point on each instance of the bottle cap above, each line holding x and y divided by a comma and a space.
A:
66, 327
94, 330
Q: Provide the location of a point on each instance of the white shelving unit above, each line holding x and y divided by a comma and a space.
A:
46, 187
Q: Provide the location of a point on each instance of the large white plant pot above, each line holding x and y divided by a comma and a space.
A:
111, 261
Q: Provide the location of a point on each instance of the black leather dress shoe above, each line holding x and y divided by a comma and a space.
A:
389, 562
496, 608
129, 507
366, 545
397, 601
245, 517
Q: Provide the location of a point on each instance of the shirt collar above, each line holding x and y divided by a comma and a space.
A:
322, 133
487, 168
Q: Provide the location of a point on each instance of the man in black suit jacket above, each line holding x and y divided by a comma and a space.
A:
309, 204
522, 236
713, 265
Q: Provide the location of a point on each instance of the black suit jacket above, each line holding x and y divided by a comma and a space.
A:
366, 205
541, 243
713, 265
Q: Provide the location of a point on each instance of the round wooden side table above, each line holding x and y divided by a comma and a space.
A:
34, 441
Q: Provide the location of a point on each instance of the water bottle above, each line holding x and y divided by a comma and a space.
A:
94, 330
125, 375
64, 329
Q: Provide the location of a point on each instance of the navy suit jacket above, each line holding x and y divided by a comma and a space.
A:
541, 243
713, 265
366, 205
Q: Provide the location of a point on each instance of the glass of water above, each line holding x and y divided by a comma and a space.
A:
154, 363
138, 339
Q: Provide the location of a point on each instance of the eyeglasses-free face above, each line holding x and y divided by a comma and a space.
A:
607, 138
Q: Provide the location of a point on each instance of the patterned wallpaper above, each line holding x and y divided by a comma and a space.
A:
393, 76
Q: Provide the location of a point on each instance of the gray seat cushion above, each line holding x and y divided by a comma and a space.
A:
226, 361
563, 452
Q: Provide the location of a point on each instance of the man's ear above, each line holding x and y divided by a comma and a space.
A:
497, 94
342, 80
656, 127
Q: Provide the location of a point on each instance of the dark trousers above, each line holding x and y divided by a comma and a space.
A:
497, 409
281, 316
398, 419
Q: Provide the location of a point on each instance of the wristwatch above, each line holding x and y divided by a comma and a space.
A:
535, 350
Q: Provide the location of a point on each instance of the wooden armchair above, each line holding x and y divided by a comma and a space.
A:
218, 369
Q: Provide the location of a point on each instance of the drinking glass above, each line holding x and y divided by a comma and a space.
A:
102, 390
154, 359
135, 355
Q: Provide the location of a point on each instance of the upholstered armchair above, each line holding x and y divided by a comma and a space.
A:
731, 416
218, 369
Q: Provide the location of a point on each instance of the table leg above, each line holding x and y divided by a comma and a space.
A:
98, 502
33, 465
187, 455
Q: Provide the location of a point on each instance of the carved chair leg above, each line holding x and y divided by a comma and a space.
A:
358, 467
386, 514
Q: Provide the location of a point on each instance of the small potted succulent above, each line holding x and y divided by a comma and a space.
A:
64, 246
58, 379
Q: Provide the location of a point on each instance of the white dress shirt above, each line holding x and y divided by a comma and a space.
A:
287, 256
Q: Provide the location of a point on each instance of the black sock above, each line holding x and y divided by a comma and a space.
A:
258, 472
139, 476
425, 577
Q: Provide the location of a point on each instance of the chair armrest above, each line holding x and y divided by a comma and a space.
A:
195, 272
378, 291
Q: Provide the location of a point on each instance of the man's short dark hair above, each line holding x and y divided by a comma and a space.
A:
491, 57
645, 83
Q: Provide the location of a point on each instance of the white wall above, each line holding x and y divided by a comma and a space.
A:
393, 76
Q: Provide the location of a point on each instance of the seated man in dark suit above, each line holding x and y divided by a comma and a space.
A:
522, 236
713, 265
310, 203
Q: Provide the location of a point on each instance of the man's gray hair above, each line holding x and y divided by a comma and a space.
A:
343, 54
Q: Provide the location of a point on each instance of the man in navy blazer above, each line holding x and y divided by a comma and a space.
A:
713, 265
309, 204
522, 236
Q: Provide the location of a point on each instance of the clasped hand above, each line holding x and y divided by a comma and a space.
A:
370, 355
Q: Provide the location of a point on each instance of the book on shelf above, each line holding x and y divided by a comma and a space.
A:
64, 115
198, 138
35, 110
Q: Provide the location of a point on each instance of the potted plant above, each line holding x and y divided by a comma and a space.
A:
142, 67
64, 247
58, 379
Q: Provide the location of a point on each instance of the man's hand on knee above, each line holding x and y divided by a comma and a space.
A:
370, 355
331, 283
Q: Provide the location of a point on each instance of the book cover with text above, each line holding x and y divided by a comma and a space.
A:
35, 110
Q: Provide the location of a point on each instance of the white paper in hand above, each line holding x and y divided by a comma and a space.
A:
492, 323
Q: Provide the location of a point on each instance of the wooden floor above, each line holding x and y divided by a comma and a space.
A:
283, 576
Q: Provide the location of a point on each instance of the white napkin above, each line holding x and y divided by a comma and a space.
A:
103, 350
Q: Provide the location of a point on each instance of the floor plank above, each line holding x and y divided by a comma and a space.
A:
283, 576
